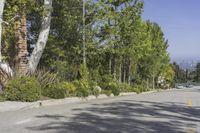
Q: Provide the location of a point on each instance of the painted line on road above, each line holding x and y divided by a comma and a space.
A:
190, 131
24, 121
189, 103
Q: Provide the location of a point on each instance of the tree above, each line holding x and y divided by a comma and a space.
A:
19, 10
179, 73
2, 3
43, 37
109, 37
197, 72
84, 34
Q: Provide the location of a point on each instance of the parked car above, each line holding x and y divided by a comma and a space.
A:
189, 86
180, 87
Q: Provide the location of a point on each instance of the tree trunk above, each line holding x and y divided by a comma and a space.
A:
6, 69
84, 33
129, 73
124, 75
21, 59
42, 39
120, 73
153, 84
2, 3
147, 84
114, 69
110, 65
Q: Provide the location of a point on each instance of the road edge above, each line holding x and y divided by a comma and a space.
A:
15, 106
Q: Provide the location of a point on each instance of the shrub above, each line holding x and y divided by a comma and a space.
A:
2, 98
94, 75
113, 86
26, 89
138, 88
107, 92
82, 88
105, 80
94, 88
96, 91
45, 78
125, 87
56, 91
84, 72
70, 89
115, 89
59, 90
61, 68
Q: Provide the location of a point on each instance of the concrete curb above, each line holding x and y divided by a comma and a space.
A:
15, 106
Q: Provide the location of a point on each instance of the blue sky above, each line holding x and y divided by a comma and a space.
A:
180, 21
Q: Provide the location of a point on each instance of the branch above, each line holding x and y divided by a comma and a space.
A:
12, 19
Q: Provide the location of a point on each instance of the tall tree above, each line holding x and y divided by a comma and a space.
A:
43, 37
2, 3
84, 32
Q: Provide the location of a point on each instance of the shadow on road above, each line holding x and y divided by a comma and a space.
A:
124, 117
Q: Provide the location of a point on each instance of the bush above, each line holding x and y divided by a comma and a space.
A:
56, 91
59, 90
105, 80
108, 84
125, 87
96, 91
45, 78
70, 89
84, 72
26, 89
107, 92
114, 87
94, 88
138, 88
82, 88
2, 98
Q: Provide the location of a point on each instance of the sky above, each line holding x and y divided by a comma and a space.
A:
180, 22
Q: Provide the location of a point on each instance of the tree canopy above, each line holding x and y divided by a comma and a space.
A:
108, 36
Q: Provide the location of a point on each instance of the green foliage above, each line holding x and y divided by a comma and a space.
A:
2, 98
59, 90
125, 87
94, 88
82, 88
197, 73
70, 88
138, 89
45, 78
105, 80
121, 47
107, 92
56, 91
26, 89
84, 72
179, 74
96, 91
114, 87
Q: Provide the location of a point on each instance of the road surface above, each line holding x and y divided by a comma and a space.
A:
176, 111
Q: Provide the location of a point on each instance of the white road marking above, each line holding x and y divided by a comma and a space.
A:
24, 121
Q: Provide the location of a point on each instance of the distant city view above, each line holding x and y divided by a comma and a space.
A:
187, 62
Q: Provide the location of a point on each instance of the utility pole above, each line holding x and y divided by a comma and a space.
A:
84, 32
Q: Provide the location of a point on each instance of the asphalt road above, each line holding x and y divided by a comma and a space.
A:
176, 111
